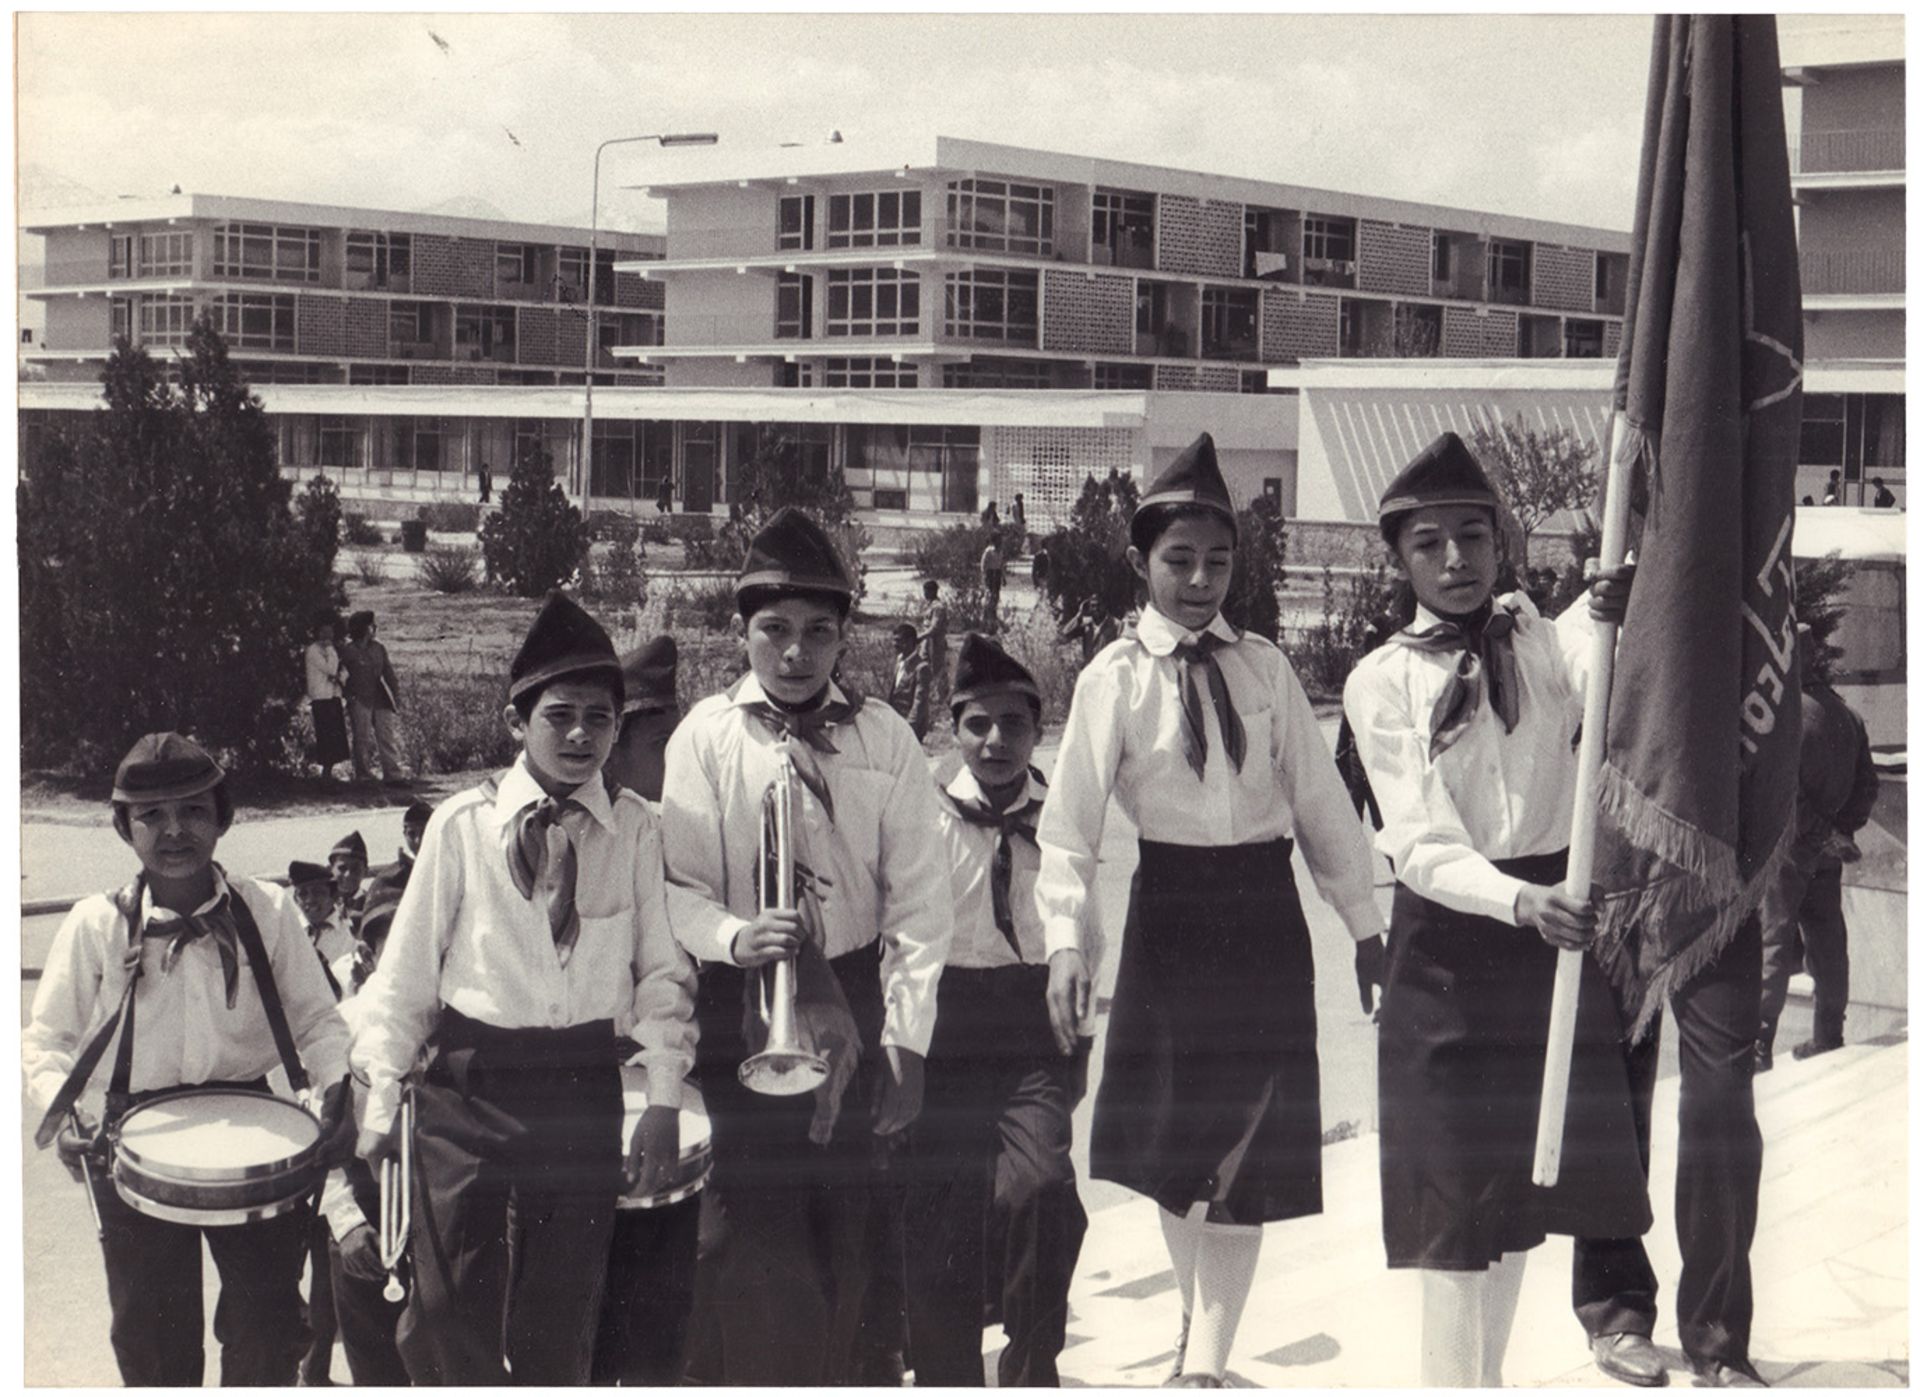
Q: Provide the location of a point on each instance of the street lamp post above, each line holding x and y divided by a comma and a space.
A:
683, 138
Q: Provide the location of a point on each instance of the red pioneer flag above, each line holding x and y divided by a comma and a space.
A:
1696, 795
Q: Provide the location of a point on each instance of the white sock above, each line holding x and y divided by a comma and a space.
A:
1496, 1317
1183, 1244
1450, 1327
1222, 1278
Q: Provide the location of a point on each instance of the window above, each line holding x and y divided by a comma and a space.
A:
165, 319
891, 219
571, 274
1823, 429
793, 317
872, 301
996, 216
1229, 323
120, 256
166, 254
1330, 239
998, 373
1349, 329
920, 468
254, 322
870, 373
258, 251
483, 332
420, 444
1416, 332
994, 305
796, 375
1601, 267
1122, 228
379, 375
603, 277
1584, 338
120, 315
379, 260
341, 443
410, 327
1128, 377
1507, 271
1253, 381
795, 233
516, 264
287, 371
1442, 259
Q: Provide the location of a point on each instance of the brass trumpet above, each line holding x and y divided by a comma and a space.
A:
783, 1067
396, 1204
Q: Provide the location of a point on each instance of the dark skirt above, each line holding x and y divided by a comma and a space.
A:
1463, 1035
1211, 1088
329, 732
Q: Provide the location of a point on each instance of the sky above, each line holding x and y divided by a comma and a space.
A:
1532, 115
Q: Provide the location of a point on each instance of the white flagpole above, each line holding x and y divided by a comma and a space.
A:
1586, 813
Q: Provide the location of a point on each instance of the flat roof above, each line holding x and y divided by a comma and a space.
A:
1815, 41
1574, 375
892, 156
238, 208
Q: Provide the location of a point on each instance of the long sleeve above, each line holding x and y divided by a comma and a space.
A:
1330, 835
1075, 814
696, 852
388, 679
916, 910
1865, 790
65, 1004
313, 1017
919, 711
664, 983
401, 1000
1421, 831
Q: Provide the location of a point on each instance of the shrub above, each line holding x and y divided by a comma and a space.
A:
951, 557
705, 604
452, 717
536, 540
1353, 621
449, 517
1253, 597
361, 531
1819, 591
1538, 474
614, 573
448, 570
777, 474
1089, 556
317, 508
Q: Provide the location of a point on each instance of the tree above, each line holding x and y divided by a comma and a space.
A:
317, 508
1259, 567
536, 540
779, 473
1088, 558
1538, 474
1819, 591
165, 581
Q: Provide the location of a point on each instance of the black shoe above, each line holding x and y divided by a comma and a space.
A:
1762, 1056
1629, 1358
1813, 1047
1719, 1373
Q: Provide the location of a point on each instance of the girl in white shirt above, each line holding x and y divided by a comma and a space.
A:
324, 695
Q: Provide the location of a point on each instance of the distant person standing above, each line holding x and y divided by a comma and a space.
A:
993, 572
324, 694
1020, 513
909, 694
1042, 565
485, 477
664, 500
1882, 496
990, 516
373, 700
933, 636
1835, 490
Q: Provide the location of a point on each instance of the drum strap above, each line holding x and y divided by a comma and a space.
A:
256, 951
128, 900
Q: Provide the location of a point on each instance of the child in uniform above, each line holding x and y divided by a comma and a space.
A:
991, 1148
533, 929
792, 1256
347, 861
910, 694
1466, 722
191, 976
1210, 1099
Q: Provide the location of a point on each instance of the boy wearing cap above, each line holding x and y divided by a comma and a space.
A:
793, 1260
991, 1148
533, 932
647, 720
910, 695
1466, 722
347, 862
192, 977
1209, 1102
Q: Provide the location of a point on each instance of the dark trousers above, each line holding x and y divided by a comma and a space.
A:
1614, 1288
788, 1223
1802, 910
994, 1221
316, 1366
368, 1324
643, 1315
153, 1288
523, 1123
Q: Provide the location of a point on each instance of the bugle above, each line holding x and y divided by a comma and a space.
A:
783, 1067
396, 1203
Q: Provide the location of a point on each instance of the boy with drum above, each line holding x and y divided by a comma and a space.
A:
533, 928
793, 1176
991, 1148
195, 979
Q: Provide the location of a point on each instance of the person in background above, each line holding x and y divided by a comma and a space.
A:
1835, 490
1042, 565
993, 571
1882, 496
485, 477
933, 636
373, 700
648, 718
1019, 515
990, 516
910, 693
1092, 625
347, 862
325, 692
663, 501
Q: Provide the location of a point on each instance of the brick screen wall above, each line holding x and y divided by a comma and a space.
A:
472, 267
538, 328
1200, 237
433, 373
1610, 340
1049, 464
637, 293
367, 328
569, 339
1394, 259
1087, 314
1562, 277
1465, 335
1295, 328
474, 373
432, 265
320, 324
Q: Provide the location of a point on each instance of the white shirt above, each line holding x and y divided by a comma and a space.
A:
183, 1034
323, 671
978, 943
882, 850
1124, 738
1493, 794
463, 936
336, 947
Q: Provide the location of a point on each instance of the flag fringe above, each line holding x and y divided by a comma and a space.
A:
1707, 875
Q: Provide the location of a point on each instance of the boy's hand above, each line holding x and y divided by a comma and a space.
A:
655, 1153
1069, 999
1370, 969
376, 1145
80, 1139
773, 935
903, 1083
1607, 598
360, 1254
1562, 921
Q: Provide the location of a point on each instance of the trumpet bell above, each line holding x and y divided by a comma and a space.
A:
783, 1071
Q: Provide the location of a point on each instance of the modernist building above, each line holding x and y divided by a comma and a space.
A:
945, 322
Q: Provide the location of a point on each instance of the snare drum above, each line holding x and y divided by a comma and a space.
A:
696, 1143
216, 1157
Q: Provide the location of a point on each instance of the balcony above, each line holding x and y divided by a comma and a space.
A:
1850, 152
1853, 272
1502, 294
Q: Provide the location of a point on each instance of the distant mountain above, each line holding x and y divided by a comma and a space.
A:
43, 188
467, 206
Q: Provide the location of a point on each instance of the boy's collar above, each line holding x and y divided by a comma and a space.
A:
148, 908
966, 786
519, 788
750, 691
1160, 635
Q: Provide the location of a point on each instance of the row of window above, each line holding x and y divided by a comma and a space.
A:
985, 304
266, 252
149, 254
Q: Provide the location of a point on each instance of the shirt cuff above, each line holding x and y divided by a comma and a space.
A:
340, 1208
383, 1105
1063, 934
1495, 896
915, 1037
665, 1085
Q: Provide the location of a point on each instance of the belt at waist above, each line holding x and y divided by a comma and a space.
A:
590, 1042
1212, 860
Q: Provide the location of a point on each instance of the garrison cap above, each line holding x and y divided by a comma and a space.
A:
793, 551
564, 640
1445, 473
352, 845
165, 766
652, 675
984, 668
300, 874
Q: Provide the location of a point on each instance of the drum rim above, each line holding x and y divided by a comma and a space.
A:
297, 1162
209, 1217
